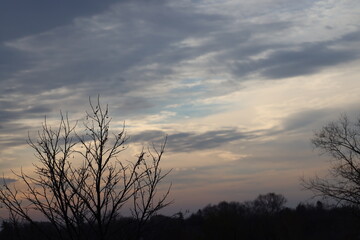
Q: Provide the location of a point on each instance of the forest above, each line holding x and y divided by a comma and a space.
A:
266, 217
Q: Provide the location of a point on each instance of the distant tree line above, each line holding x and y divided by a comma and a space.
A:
266, 217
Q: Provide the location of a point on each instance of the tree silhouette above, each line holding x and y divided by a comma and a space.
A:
269, 203
80, 185
340, 140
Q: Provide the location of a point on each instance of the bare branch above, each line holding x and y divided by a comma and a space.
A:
340, 140
71, 196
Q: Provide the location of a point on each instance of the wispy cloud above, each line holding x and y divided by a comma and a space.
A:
192, 141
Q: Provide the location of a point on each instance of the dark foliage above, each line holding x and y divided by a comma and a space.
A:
233, 220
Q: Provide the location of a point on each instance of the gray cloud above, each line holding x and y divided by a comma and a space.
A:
181, 178
7, 180
312, 119
11, 111
12, 61
351, 37
308, 118
309, 59
14, 132
303, 122
140, 35
190, 141
21, 18
8, 142
133, 45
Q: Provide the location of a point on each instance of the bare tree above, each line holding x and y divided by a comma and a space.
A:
269, 203
341, 141
80, 185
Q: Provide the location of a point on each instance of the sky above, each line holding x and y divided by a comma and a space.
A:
239, 87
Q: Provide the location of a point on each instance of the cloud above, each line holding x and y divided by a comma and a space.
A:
12, 61
7, 180
13, 130
307, 119
191, 141
306, 59
351, 37
144, 50
11, 112
199, 176
121, 51
18, 19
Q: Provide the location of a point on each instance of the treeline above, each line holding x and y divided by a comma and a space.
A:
264, 218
